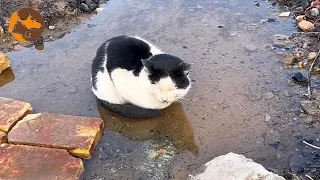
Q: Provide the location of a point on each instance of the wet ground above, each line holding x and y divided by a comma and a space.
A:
242, 99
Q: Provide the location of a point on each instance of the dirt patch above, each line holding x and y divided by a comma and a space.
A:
60, 16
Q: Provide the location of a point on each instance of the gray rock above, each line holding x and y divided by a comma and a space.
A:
268, 118
268, 95
281, 41
233, 167
250, 47
314, 12
18, 48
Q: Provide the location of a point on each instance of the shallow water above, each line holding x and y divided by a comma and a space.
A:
224, 112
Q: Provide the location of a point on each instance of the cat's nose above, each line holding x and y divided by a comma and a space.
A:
165, 101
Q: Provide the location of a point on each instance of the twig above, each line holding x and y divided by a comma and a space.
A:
309, 75
311, 145
309, 177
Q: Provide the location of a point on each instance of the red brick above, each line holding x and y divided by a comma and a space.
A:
3, 137
12, 111
21, 162
78, 135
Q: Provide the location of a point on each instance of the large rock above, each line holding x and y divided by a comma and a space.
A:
3, 137
20, 162
4, 62
233, 167
78, 135
12, 111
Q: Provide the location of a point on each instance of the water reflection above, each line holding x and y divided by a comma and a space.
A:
6, 77
173, 124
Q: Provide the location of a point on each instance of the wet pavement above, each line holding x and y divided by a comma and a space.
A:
242, 100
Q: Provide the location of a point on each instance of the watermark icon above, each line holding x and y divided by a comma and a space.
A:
26, 24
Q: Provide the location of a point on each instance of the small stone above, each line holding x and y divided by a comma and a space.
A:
220, 26
30, 162
4, 62
78, 135
268, 118
284, 14
312, 56
281, 41
185, 47
300, 18
306, 25
270, 19
84, 7
302, 115
12, 111
298, 77
99, 9
268, 47
268, 95
73, 89
250, 47
305, 45
15, 42
18, 48
3, 137
52, 27
314, 12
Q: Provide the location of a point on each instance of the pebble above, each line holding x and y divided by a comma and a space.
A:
15, 42
99, 9
302, 115
306, 25
298, 77
314, 12
268, 118
280, 40
268, 47
73, 89
250, 47
311, 56
300, 18
268, 95
18, 48
52, 27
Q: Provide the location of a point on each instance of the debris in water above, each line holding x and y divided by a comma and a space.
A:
311, 145
284, 14
306, 25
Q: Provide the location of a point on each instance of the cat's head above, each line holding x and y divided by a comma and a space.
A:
169, 77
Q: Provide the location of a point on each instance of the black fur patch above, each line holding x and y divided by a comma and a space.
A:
165, 65
97, 63
127, 52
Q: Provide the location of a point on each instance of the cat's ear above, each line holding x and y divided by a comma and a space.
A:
148, 65
186, 67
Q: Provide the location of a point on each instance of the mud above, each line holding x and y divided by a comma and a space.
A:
242, 99
61, 14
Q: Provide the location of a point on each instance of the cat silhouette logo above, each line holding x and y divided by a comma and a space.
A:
26, 24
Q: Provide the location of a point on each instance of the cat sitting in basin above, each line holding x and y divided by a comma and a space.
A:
134, 78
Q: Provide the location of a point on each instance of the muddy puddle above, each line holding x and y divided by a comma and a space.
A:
242, 99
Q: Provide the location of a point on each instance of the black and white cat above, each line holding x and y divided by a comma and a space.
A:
135, 78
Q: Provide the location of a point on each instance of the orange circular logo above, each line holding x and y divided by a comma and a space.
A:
26, 24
